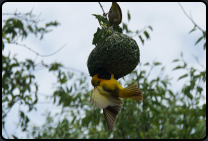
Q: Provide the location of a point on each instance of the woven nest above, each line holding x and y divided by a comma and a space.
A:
117, 53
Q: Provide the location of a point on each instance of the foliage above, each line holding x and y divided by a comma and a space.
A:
162, 114
107, 30
200, 38
137, 33
18, 79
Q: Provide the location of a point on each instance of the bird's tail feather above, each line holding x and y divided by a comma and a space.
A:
133, 92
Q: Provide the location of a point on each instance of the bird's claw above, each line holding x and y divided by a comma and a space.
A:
105, 14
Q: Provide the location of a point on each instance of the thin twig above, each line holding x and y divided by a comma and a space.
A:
28, 26
3, 116
161, 73
42, 94
19, 110
15, 14
38, 53
6, 132
190, 17
36, 58
44, 102
151, 68
198, 61
101, 7
39, 65
76, 70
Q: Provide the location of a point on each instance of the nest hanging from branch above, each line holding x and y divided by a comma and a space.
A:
117, 53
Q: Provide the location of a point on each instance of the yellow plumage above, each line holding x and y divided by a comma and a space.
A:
102, 99
106, 93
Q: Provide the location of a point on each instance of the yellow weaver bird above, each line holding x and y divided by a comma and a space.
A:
106, 93
115, 14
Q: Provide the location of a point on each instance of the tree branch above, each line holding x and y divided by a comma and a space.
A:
37, 52
30, 25
198, 61
76, 70
151, 68
6, 132
190, 18
101, 7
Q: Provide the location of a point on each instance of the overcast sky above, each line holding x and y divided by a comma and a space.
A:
168, 39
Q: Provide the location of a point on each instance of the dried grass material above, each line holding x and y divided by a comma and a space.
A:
117, 53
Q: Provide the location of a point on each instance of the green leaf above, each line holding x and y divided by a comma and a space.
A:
124, 27
176, 60
183, 76
186, 89
22, 114
41, 37
2, 45
118, 28
27, 120
199, 89
147, 64
157, 63
14, 137
129, 16
101, 19
199, 40
204, 34
97, 36
64, 80
72, 122
193, 29
141, 134
8, 40
162, 68
181, 54
150, 28
189, 95
146, 34
24, 129
55, 66
204, 109
164, 83
179, 67
141, 39
52, 24
205, 45
30, 28
156, 137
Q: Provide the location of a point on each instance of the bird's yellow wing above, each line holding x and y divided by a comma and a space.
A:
110, 114
102, 99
